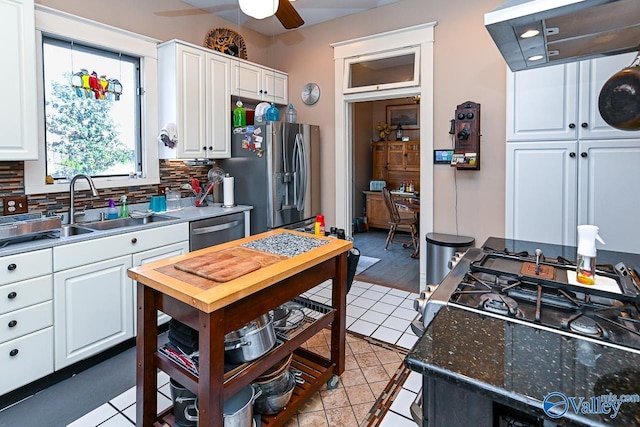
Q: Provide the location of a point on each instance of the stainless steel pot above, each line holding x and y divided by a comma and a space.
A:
274, 403
238, 409
251, 341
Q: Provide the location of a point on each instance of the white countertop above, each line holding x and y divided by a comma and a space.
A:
185, 214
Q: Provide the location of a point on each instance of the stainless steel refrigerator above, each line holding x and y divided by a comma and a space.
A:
276, 169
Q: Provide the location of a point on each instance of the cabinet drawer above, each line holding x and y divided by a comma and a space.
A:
25, 266
87, 252
23, 294
26, 359
24, 321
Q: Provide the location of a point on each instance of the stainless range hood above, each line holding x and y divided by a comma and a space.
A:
568, 30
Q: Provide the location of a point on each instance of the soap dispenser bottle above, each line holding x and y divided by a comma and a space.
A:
586, 259
124, 209
112, 211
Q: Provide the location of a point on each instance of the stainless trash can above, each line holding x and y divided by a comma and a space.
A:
440, 249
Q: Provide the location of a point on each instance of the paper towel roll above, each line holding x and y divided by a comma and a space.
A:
227, 183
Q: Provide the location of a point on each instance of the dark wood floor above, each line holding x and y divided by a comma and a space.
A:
396, 268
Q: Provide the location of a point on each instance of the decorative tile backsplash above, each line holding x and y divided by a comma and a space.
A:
173, 173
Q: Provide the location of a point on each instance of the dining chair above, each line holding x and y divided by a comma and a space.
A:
396, 220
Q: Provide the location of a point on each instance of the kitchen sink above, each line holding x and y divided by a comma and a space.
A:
72, 230
125, 222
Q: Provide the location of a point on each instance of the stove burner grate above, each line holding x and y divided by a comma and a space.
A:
500, 304
586, 325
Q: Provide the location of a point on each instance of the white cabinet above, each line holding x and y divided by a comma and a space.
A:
194, 86
259, 83
26, 318
153, 255
560, 102
18, 108
94, 297
94, 309
554, 186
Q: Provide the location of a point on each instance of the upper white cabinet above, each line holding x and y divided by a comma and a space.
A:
259, 83
194, 91
18, 109
560, 102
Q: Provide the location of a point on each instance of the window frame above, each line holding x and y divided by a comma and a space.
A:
62, 25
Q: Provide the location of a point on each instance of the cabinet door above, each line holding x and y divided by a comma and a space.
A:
93, 309
18, 81
395, 156
412, 155
151, 256
218, 107
246, 80
541, 192
379, 169
274, 85
26, 359
377, 213
542, 103
192, 107
609, 195
594, 74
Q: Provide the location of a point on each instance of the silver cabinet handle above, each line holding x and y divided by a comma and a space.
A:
214, 228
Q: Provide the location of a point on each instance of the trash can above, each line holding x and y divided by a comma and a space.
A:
440, 249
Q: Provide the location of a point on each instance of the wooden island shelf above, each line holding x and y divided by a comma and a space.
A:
215, 309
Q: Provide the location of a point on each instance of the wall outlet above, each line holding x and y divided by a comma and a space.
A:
15, 205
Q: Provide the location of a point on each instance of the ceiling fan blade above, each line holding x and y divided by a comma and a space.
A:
288, 15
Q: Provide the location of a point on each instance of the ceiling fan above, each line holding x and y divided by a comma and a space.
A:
283, 9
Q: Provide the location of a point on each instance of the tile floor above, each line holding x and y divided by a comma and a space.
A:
383, 314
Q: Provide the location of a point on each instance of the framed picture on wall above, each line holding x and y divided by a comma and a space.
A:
406, 115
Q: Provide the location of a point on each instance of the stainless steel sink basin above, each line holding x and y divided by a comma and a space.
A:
125, 222
72, 230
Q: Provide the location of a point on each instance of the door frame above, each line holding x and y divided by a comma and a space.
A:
422, 36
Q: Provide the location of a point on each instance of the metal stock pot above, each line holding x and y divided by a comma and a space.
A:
251, 341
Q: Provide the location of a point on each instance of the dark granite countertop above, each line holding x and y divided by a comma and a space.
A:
518, 365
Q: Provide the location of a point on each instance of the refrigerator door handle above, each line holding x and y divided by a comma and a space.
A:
302, 163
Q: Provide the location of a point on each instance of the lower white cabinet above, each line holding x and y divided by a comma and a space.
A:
152, 256
94, 309
554, 186
26, 359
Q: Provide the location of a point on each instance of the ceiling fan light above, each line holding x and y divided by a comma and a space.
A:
259, 9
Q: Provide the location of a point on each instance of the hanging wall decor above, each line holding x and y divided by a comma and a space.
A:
91, 86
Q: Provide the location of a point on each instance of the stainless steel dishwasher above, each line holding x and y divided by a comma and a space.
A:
213, 231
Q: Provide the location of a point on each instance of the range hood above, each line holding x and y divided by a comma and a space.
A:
567, 30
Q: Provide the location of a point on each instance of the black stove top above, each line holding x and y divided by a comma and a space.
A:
506, 285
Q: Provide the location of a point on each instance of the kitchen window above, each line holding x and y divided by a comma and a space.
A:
113, 139
92, 118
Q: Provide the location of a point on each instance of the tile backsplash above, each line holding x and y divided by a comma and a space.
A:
173, 173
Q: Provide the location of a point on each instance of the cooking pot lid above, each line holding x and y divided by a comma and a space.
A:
619, 100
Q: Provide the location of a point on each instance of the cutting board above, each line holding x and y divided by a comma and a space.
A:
227, 264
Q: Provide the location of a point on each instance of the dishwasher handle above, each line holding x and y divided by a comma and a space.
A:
214, 228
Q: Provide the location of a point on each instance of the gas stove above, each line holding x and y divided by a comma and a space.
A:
540, 292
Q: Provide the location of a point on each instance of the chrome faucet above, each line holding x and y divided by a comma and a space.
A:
72, 209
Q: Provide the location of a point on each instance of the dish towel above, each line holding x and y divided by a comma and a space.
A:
169, 135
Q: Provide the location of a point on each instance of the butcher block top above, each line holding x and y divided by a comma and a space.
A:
215, 277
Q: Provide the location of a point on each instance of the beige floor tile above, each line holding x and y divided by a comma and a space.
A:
361, 411
352, 377
388, 356
359, 394
293, 422
350, 362
314, 404
391, 368
321, 350
341, 417
313, 419
318, 340
359, 347
336, 398
375, 374
378, 387
367, 360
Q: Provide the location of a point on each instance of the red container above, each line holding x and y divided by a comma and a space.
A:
250, 115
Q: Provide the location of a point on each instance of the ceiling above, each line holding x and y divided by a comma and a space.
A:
312, 11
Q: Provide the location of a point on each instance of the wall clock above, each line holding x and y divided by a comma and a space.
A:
310, 93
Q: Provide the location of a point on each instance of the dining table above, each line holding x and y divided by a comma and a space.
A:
411, 205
